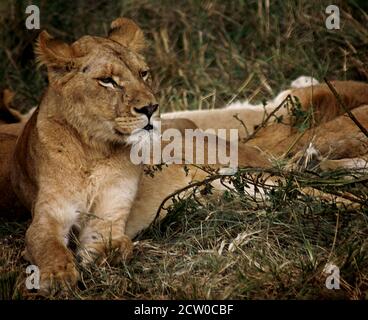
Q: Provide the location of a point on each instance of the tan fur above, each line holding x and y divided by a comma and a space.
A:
248, 118
332, 132
323, 102
319, 97
336, 139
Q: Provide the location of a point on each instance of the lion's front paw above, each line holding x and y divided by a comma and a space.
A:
119, 250
58, 278
91, 254
126, 248
113, 252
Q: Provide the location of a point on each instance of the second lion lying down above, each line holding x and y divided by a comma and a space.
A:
71, 166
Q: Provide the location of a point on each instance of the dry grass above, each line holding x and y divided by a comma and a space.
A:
203, 54
235, 247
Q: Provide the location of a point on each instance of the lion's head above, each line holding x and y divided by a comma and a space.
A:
101, 86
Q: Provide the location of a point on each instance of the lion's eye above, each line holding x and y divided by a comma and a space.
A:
144, 74
107, 82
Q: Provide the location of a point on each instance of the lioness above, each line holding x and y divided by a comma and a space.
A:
71, 157
71, 164
333, 134
246, 118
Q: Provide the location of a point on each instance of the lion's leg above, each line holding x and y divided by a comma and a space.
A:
353, 163
104, 231
46, 244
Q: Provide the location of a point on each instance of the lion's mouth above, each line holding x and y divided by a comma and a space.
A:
148, 127
119, 133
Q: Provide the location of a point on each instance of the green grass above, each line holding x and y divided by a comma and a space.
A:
204, 53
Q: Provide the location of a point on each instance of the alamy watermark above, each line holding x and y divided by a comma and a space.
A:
33, 20
333, 20
33, 278
333, 279
173, 146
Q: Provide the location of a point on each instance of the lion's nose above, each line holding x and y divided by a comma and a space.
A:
147, 110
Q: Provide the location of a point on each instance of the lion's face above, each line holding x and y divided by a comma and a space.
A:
105, 83
111, 90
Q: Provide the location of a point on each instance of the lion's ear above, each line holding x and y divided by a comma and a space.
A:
127, 33
53, 53
8, 97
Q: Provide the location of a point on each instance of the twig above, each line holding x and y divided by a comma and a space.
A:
296, 140
345, 108
236, 116
189, 186
263, 124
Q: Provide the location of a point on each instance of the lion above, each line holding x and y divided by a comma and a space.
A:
246, 118
339, 142
71, 157
71, 162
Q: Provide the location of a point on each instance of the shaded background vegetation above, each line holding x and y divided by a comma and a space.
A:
204, 54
